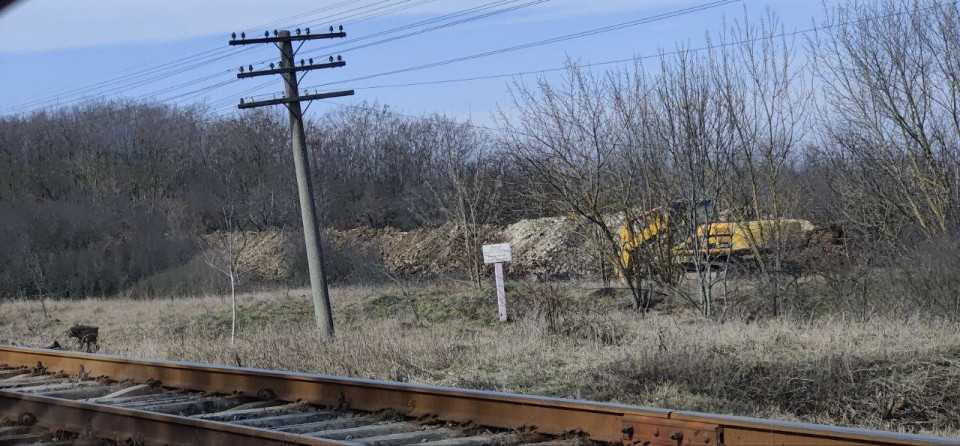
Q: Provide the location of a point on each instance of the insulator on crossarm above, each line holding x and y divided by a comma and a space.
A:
311, 61
233, 36
241, 101
331, 29
308, 31
298, 31
271, 65
301, 62
243, 35
275, 33
241, 68
341, 28
266, 34
250, 68
339, 58
331, 58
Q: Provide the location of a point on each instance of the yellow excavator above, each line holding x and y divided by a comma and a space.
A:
686, 233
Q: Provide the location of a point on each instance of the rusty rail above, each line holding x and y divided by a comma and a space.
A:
550, 418
142, 427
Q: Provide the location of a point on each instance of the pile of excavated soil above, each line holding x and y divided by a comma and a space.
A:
542, 248
545, 247
262, 255
548, 247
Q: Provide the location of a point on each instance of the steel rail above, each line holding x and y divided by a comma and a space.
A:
143, 427
603, 422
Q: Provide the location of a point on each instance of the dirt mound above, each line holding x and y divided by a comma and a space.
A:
545, 247
261, 255
542, 248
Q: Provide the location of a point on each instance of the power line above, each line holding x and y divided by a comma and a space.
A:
649, 19
435, 28
381, 12
149, 74
146, 76
645, 20
433, 20
637, 58
364, 14
419, 23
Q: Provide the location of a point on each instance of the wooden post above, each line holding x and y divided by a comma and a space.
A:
497, 255
501, 293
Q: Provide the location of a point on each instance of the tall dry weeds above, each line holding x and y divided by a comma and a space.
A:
896, 374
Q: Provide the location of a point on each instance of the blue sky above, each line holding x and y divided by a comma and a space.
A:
63, 51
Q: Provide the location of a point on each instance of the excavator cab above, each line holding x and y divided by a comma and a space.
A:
685, 217
665, 230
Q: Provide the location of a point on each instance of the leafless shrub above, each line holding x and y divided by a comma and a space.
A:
551, 309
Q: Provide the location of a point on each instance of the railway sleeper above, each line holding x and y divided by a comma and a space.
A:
370, 430
413, 437
338, 423
126, 392
82, 392
281, 420
197, 405
156, 400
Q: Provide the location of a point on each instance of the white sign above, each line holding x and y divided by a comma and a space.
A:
498, 253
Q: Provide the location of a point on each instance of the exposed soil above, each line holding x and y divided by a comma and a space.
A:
542, 248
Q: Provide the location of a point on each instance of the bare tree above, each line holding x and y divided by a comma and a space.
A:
765, 100
224, 251
566, 142
467, 186
692, 132
890, 72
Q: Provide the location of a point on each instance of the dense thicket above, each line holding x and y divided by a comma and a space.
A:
858, 126
96, 197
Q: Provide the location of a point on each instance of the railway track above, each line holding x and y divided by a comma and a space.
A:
58, 398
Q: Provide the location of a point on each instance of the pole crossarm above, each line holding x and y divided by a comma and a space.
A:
337, 64
281, 39
309, 97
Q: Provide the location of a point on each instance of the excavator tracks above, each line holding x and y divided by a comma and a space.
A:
58, 398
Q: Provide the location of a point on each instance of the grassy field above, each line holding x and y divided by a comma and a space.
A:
566, 341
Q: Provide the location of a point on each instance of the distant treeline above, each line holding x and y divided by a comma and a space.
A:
98, 196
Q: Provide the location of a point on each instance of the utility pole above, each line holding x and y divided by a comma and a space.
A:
292, 98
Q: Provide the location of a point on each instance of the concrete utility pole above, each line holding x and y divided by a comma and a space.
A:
308, 211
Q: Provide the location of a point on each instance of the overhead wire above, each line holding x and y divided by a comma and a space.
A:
138, 80
191, 58
430, 29
566, 37
367, 12
636, 58
200, 91
448, 16
150, 74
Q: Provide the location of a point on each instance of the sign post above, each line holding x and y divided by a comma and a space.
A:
497, 255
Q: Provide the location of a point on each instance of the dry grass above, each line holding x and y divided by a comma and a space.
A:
889, 374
